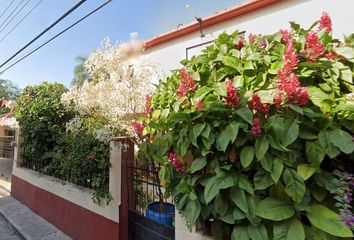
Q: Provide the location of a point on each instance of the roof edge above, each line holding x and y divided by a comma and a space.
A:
209, 21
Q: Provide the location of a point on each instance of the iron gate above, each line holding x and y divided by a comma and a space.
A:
143, 188
6, 156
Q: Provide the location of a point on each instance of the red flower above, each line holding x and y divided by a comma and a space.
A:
90, 157
232, 98
278, 99
290, 58
148, 109
290, 85
138, 127
241, 44
187, 84
314, 47
325, 22
198, 106
256, 129
331, 55
285, 36
256, 104
251, 38
175, 161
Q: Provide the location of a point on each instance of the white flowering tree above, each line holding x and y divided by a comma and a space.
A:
121, 79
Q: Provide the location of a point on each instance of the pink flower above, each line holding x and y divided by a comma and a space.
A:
187, 84
256, 104
175, 161
325, 22
314, 47
198, 106
147, 105
256, 129
232, 99
290, 59
138, 127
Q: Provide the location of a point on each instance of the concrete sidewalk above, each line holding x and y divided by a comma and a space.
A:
28, 225
5, 188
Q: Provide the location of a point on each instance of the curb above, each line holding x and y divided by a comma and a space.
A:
19, 233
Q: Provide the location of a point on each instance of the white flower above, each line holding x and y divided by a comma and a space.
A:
122, 78
104, 135
73, 126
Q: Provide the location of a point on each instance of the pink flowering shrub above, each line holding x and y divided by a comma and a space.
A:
250, 133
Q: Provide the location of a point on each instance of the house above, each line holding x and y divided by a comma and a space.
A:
253, 16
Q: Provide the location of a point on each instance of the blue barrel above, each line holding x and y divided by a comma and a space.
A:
165, 217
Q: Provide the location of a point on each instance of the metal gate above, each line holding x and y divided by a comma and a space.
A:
143, 188
6, 156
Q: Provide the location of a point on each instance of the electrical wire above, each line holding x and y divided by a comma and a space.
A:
2, 29
57, 35
44, 31
11, 13
6, 8
19, 22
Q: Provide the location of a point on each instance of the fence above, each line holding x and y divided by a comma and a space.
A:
6, 156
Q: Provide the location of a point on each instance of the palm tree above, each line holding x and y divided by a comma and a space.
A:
80, 73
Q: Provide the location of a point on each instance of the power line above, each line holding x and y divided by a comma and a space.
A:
6, 8
23, 18
43, 32
2, 29
54, 37
11, 13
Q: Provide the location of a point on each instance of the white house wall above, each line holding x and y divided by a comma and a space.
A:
265, 20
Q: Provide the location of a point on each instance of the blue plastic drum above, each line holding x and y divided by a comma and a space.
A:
165, 217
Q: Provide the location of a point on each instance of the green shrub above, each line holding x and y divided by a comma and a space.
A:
51, 148
249, 134
42, 119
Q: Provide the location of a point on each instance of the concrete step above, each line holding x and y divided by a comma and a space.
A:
27, 224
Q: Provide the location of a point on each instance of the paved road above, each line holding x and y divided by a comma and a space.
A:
6, 232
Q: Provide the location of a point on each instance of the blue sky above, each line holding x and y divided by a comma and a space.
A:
55, 61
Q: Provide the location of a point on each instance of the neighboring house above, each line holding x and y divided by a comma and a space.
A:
254, 16
8, 126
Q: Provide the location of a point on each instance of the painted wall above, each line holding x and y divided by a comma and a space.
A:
69, 207
265, 20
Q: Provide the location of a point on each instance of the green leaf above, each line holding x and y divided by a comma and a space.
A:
305, 170
202, 92
277, 170
346, 52
315, 152
227, 135
262, 145
291, 133
211, 189
192, 212
246, 156
317, 95
330, 149
294, 185
228, 181
240, 233
238, 196
289, 230
262, 180
197, 129
198, 164
245, 114
327, 221
274, 209
257, 232
246, 185
342, 140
